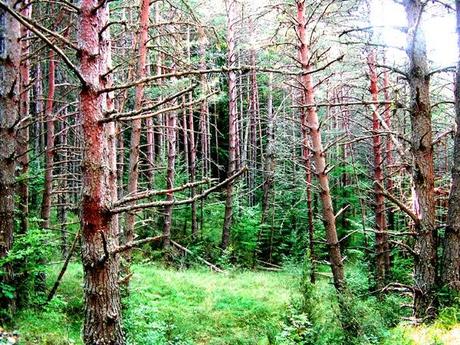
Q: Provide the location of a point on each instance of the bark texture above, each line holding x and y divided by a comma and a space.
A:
23, 133
49, 153
192, 166
319, 156
269, 170
9, 101
379, 206
423, 165
136, 124
102, 298
171, 124
232, 116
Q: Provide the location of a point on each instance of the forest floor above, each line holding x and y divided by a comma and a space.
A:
197, 307
168, 306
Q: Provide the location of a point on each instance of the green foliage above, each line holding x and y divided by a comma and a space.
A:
319, 317
450, 316
27, 260
297, 329
60, 321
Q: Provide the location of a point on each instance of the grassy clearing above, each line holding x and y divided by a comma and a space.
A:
174, 307
197, 307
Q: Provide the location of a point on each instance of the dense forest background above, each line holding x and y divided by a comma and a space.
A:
229, 172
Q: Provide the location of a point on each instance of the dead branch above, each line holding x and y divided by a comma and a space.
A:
398, 202
150, 193
177, 202
133, 244
63, 269
212, 266
32, 28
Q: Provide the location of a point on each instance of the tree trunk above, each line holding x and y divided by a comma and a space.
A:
136, 124
450, 274
423, 170
252, 142
388, 146
232, 115
10, 51
312, 123
49, 154
171, 123
270, 162
204, 110
379, 206
307, 165
192, 166
102, 298
389, 163
23, 134
63, 186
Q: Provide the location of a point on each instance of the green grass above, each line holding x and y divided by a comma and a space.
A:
196, 306
199, 307
166, 306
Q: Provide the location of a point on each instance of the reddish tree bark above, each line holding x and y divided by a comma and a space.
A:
450, 273
232, 116
10, 52
102, 298
423, 170
379, 206
312, 124
49, 152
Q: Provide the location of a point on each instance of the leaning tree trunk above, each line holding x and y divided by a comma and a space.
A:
423, 170
10, 51
312, 122
379, 206
103, 324
450, 274
232, 115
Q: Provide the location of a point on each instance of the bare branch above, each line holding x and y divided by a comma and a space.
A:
150, 193
212, 266
177, 202
133, 244
45, 39
399, 203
